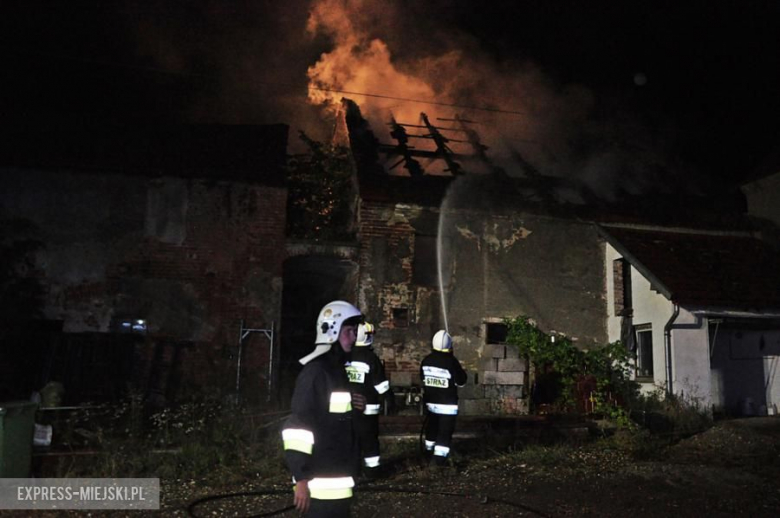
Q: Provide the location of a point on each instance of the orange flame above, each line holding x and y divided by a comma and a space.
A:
519, 107
359, 63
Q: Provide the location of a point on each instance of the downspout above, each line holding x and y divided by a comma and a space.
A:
668, 349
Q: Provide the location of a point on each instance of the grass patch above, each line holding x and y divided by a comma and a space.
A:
199, 439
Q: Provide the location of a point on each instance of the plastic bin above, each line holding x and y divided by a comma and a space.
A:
17, 426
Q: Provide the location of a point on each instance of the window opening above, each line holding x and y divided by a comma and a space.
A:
400, 317
644, 351
495, 333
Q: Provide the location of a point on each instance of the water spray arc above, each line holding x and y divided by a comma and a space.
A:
440, 261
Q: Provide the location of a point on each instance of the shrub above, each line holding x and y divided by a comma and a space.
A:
605, 370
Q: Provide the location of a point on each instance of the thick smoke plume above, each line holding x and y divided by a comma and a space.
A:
292, 62
523, 112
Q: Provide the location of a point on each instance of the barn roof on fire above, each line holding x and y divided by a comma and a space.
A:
392, 167
250, 153
698, 268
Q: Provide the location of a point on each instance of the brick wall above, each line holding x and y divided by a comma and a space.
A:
192, 266
621, 272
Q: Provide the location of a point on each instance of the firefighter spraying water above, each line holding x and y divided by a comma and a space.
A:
441, 375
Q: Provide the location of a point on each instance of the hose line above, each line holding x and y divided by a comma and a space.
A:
483, 499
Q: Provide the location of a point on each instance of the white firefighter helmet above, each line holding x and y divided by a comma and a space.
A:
442, 341
332, 316
365, 335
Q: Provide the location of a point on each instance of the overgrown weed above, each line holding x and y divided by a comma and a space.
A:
200, 438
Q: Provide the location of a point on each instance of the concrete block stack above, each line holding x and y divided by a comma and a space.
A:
499, 384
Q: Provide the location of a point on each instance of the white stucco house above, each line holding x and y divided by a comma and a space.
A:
701, 309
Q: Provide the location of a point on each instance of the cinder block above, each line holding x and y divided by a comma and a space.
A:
489, 378
509, 406
511, 391
512, 352
471, 391
492, 391
495, 351
503, 378
401, 378
511, 364
488, 364
474, 406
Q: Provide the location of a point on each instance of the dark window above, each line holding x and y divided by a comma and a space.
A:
495, 333
621, 275
644, 351
400, 317
425, 271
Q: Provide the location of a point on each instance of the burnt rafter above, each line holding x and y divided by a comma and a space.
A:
419, 153
443, 151
398, 132
441, 129
473, 138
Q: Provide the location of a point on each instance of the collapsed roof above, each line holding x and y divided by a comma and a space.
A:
415, 163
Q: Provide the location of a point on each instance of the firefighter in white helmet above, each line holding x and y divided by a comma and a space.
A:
320, 446
441, 375
367, 377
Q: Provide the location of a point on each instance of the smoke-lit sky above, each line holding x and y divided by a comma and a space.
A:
633, 92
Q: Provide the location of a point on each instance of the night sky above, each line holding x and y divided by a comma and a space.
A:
697, 81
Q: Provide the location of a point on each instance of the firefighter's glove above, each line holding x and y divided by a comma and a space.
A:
358, 402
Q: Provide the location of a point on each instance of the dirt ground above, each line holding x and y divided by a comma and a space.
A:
732, 469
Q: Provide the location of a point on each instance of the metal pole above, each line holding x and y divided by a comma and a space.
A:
242, 334
271, 364
238, 362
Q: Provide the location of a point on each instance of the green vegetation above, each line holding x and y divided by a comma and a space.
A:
598, 380
202, 438
595, 380
321, 193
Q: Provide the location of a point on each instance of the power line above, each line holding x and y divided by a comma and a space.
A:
420, 101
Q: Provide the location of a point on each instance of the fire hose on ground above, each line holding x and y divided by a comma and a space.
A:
482, 499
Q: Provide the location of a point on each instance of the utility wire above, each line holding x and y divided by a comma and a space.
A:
420, 101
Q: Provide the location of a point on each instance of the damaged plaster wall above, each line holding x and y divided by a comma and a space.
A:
495, 265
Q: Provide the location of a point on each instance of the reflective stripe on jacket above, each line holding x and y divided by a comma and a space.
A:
367, 376
441, 375
319, 443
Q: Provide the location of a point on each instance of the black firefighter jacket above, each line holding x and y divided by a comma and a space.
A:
441, 375
367, 376
319, 444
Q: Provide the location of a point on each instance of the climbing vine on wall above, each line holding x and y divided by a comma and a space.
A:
605, 370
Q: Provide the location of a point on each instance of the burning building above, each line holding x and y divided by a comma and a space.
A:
460, 250
448, 239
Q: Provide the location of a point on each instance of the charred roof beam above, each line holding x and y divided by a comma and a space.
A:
441, 145
398, 132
